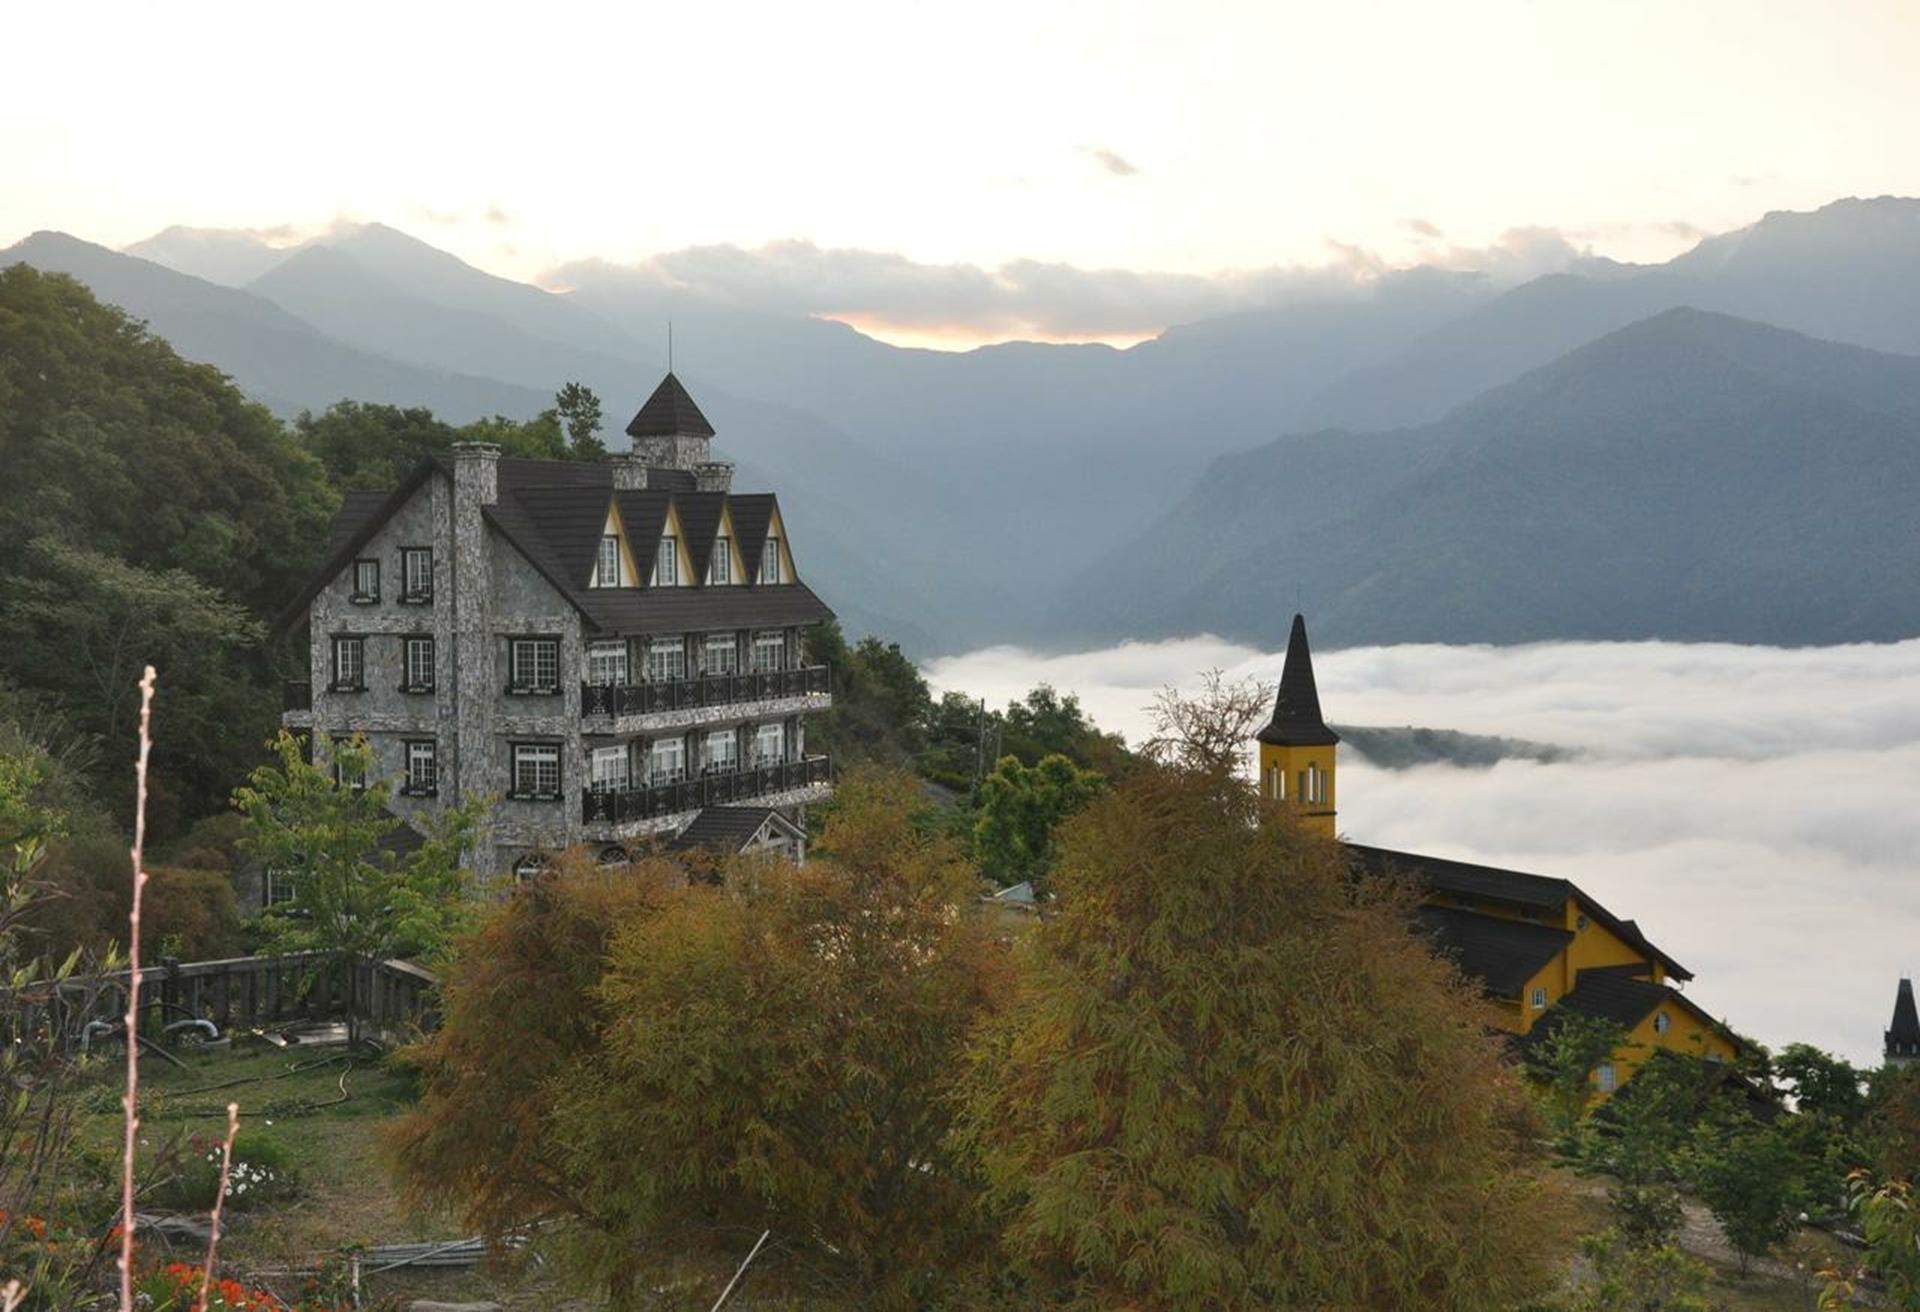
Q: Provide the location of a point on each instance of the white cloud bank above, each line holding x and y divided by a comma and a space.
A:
1756, 809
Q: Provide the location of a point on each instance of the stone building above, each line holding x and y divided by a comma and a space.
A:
614, 651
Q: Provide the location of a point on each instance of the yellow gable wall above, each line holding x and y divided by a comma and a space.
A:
776, 529
1688, 1034
736, 560
629, 568
1291, 761
679, 547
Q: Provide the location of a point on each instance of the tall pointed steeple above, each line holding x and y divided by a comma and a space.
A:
1297, 750
669, 431
1296, 711
1903, 1036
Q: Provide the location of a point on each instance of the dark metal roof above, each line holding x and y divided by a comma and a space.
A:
669, 412
729, 828
1296, 710
1514, 887
1502, 954
1619, 998
1904, 1034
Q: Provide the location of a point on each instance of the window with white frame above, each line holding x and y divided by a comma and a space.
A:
608, 770
667, 761
416, 574
1605, 1076
720, 654
769, 651
366, 581
529, 867
282, 887
606, 572
666, 565
423, 769
533, 665
357, 780
770, 561
419, 653
722, 752
536, 771
607, 664
1538, 1000
769, 744
720, 568
349, 664
666, 659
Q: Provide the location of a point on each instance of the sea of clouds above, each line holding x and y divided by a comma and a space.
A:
1756, 809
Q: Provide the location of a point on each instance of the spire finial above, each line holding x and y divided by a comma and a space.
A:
669, 346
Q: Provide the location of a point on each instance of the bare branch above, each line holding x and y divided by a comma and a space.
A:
1211, 730
131, 1101
219, 1202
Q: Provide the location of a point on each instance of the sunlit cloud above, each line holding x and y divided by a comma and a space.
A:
1752, 807
1112, 161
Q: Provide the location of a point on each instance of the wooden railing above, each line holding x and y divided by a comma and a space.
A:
258, 992
703, 691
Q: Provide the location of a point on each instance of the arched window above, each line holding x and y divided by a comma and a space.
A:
529, 867
1662, 1023
614, 855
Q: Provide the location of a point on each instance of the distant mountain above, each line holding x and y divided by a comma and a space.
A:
1692, 476
274, 356
232, 259
1408, 748
1848, 272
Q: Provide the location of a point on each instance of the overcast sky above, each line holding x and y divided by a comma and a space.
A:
1751, 807
1188, 138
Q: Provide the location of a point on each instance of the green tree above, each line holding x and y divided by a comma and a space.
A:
538, 438
1822, 1083
1020, 806
579, 411
1044, 723
1237, 1079
881, 703
1635, 1277
1561, 1058
368, 446
1751, 1178
355, 895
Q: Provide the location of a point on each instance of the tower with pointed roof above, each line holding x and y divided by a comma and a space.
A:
669, 432
1903, 1035
1297, 750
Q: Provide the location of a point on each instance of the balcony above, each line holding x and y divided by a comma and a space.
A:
706, 692
296, 695
739, 786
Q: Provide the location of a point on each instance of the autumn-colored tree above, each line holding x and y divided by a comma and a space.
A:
775, 1052
1236, 1078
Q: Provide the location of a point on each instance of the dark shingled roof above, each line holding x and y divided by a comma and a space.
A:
700, 521
1622, 999
356, 508
1903, 1036
687, 610
1502, 954
1296, 711
669, 412
752, 516
645, 516
1514, 887
727, 828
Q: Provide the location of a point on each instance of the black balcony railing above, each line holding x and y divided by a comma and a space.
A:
711, 790
297, 695
706, 690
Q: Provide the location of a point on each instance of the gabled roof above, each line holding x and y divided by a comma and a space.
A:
1296, 709
730, 828
345, 541
1905, 1029
752, 516
356, 508
1513, 887
1622, 999
669, 412
645, 515
1502, 954
700, 522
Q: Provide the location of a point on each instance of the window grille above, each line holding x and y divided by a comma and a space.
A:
666, 569
416, 574
536, 770
534, 665
349, 664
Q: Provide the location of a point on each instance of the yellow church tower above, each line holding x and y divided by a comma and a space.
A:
1297, 749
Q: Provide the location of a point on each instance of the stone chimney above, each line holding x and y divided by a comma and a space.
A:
629, 471
476, 472
714, 475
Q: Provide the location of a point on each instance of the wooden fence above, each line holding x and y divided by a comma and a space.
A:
259, 992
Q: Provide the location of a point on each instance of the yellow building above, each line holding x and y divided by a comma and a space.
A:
1541, 947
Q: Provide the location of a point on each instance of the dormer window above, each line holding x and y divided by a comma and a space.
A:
666, 569
1662, 1023
720, 569
770, 561
366, 582
606, 573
